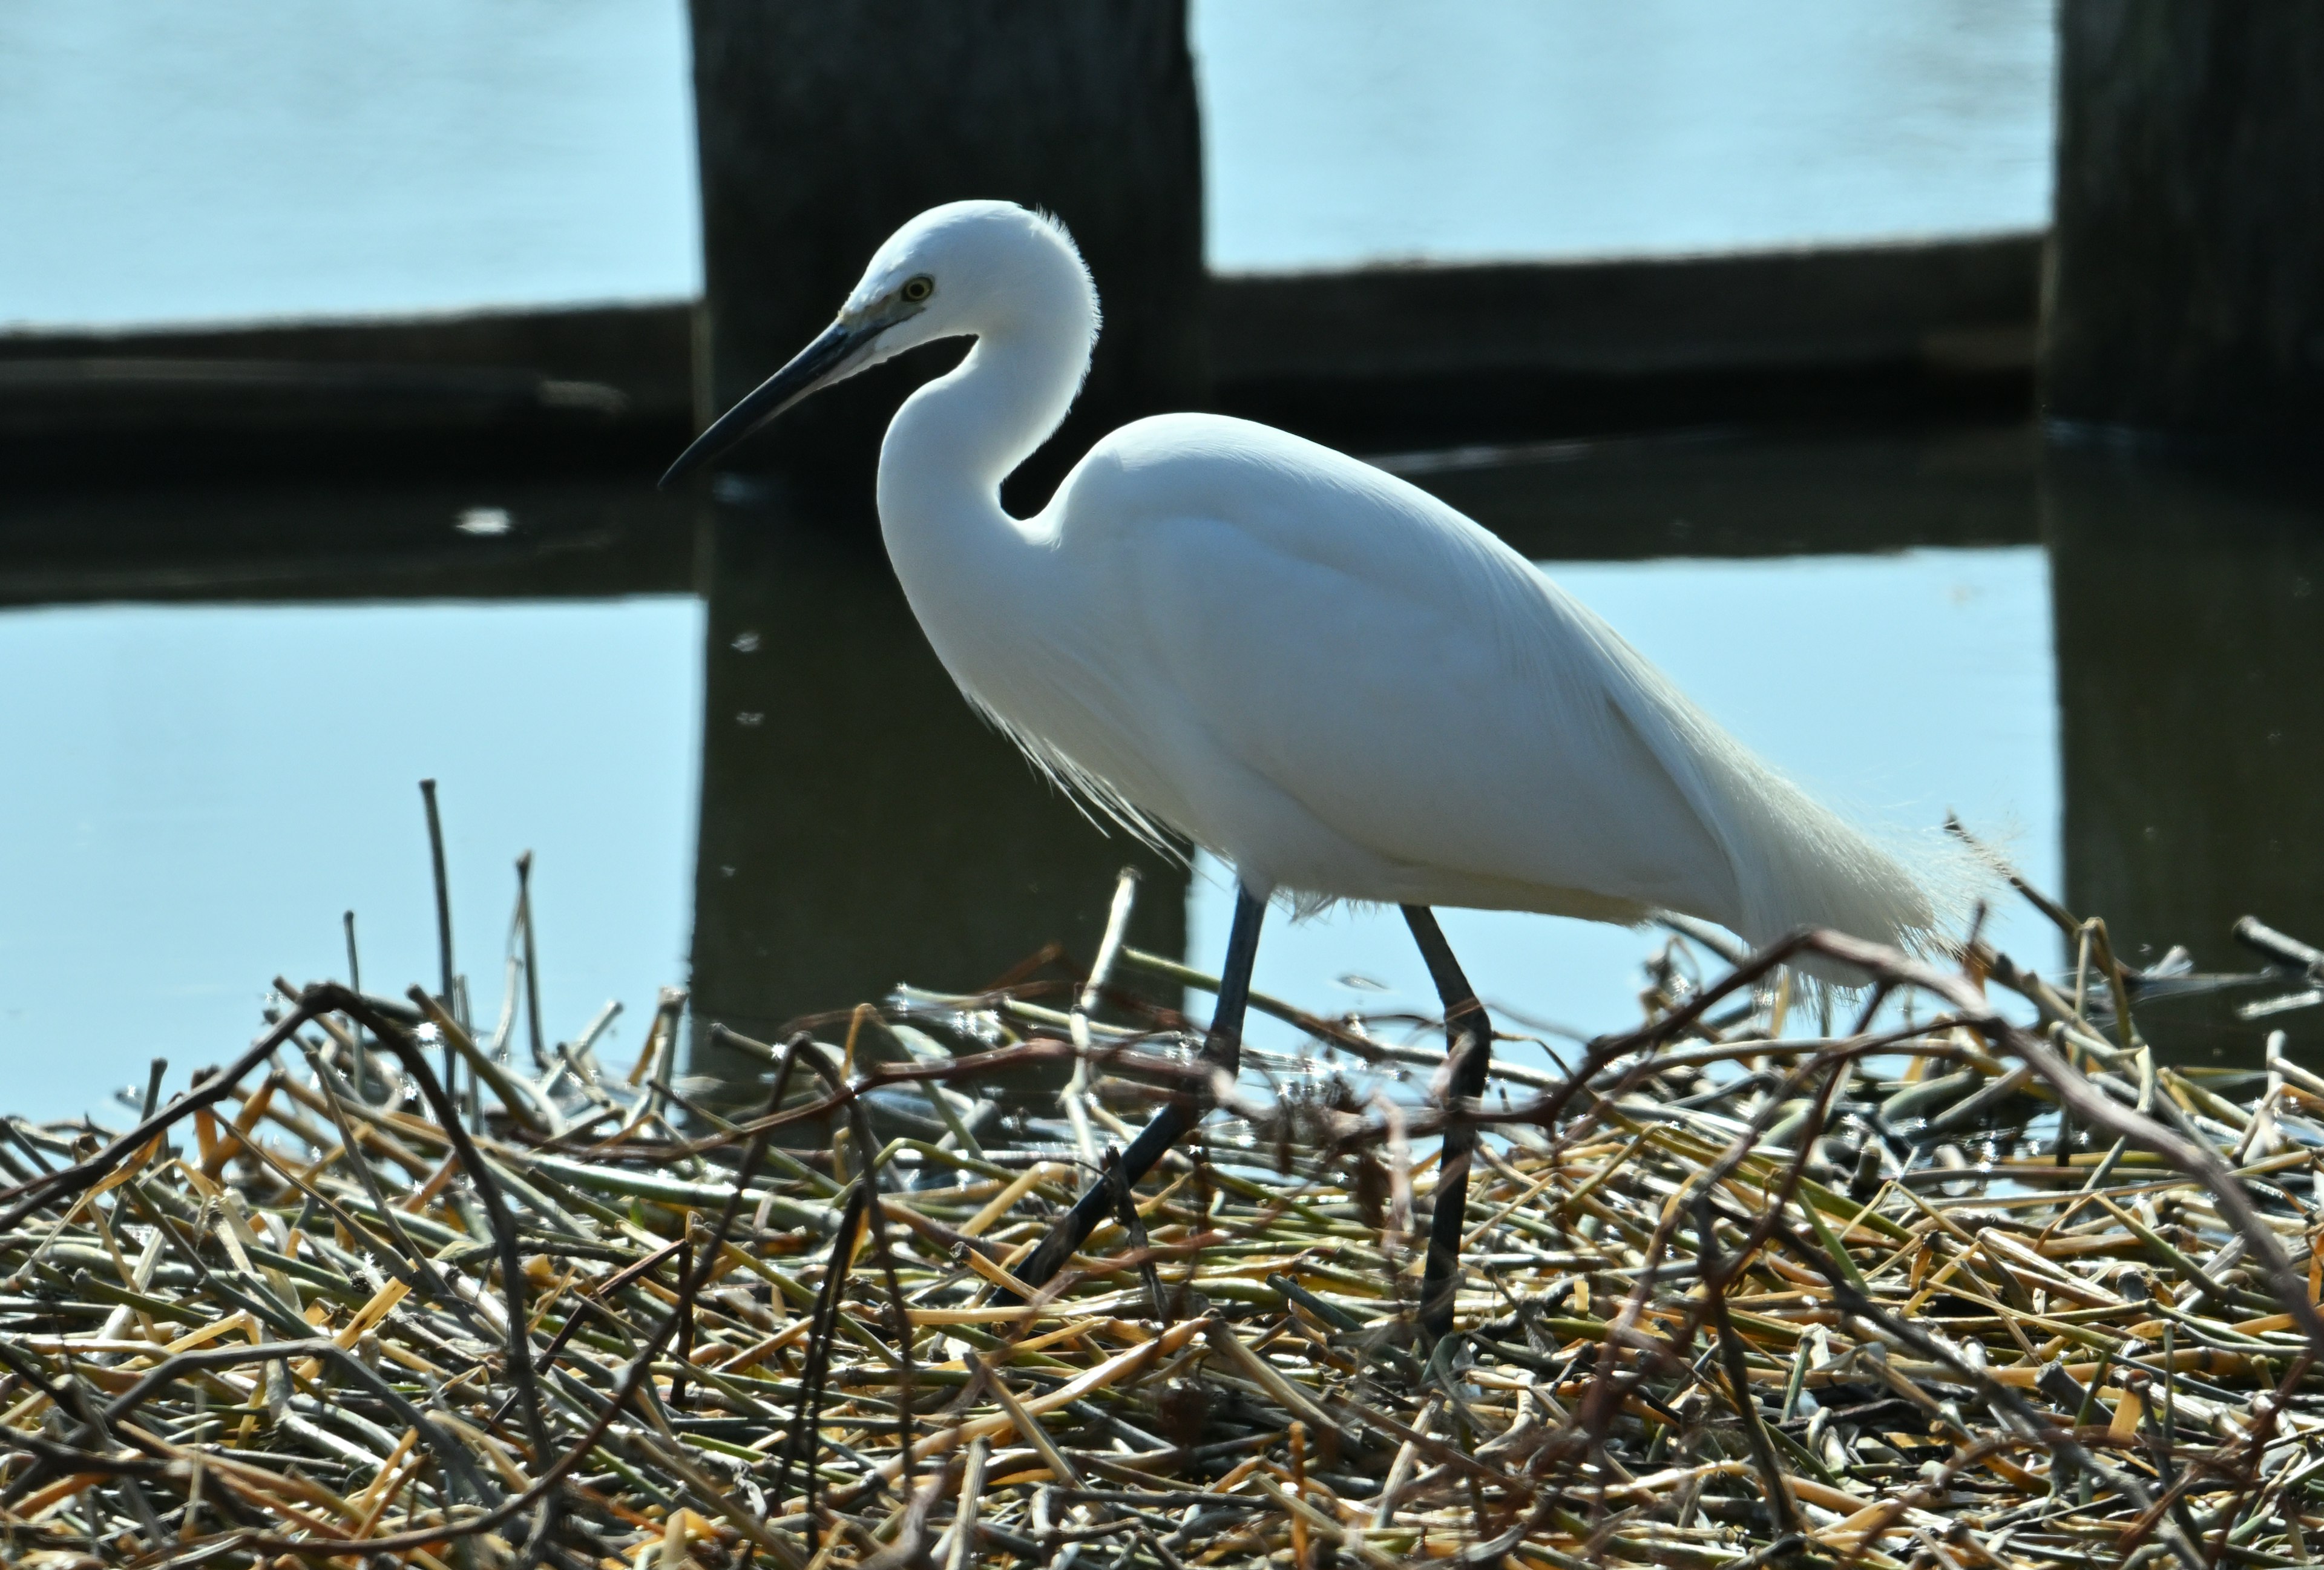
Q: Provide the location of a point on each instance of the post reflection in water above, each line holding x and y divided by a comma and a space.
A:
2190, 631
860, 825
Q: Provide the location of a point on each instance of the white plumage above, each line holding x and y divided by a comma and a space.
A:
1317, 670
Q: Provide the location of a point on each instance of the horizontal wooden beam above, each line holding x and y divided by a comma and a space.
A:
589, 365
1390, 353
1970, 301
102, 395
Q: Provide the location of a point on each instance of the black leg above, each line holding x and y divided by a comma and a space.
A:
1469, 1049
1222, 1046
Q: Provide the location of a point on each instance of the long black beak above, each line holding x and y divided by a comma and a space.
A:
805, 373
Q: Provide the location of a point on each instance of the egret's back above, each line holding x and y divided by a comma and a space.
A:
1352, 691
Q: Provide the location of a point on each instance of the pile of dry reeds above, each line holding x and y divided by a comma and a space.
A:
1730, 1298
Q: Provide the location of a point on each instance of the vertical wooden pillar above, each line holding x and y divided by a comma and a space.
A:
823, 126
2186, 282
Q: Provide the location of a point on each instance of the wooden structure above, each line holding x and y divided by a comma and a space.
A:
1375, 359
2186, 288
1394, 357
824, 127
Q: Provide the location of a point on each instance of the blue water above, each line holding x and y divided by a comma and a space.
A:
193, 795
1363, 129
289, 158
1898, 687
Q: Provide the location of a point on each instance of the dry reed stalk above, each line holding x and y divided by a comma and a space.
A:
1725, 1297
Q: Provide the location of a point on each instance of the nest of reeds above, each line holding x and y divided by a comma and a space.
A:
1977, 1281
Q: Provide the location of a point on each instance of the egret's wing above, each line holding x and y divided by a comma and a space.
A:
1389, 666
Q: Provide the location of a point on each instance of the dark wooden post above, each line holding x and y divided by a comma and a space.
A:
823, 126
2186, 280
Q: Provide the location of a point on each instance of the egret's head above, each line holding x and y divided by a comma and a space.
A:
964, 268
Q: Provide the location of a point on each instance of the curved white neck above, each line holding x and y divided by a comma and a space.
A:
956, 438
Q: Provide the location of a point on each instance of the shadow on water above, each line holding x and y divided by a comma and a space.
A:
314, 539
1721, 493
859, 827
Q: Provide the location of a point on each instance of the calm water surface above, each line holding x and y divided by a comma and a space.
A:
276, 158
279, 157
1344, 129
198, 791
716, 726
738, 764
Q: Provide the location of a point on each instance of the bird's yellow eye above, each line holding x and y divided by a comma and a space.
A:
917, 290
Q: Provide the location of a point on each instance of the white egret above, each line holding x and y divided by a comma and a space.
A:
1321, 673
